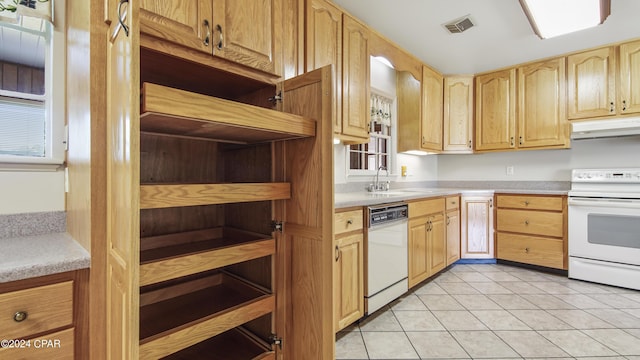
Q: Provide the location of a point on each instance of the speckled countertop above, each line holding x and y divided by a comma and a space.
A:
35, 244
363, 198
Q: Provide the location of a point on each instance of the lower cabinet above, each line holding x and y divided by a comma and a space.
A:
477, 227
41, 317
452, 221
532, 229
348, 271
427, 242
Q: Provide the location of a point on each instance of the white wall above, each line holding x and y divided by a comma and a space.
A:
26, 192
419, 168
542, 165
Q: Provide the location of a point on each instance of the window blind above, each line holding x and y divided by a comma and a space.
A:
22, 128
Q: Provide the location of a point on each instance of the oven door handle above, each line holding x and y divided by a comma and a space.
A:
618, 203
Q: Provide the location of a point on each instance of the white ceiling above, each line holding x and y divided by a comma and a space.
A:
502, 35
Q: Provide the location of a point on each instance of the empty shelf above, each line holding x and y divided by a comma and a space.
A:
182, 315
170, 111
175, 255
235, 344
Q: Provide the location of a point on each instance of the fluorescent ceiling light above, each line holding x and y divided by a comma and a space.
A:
550, 18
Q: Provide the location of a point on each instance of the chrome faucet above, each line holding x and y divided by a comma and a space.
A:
376, 186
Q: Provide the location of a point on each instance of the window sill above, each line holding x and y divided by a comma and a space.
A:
27, 164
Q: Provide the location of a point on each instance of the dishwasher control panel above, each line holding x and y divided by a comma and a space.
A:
387, 213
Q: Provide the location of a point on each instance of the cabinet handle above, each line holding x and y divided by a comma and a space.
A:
469, 144
526, 250
207, 35
221, 38
337, 253
624, 105
512, 144
526, 222
349, 222
20, 316
520, 140
612, 109
490, 203
526, 203
423, 140
121, 18
448, 220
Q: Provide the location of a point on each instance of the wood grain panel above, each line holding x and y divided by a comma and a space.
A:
355, 79
418, 267
408, 107
177, 112
55, 312
458, 114
452, 203
235, 344
432, 110
530, 222
495, 110
530, 250
591, 82
60, 348
349, 280
531, 202
174, 220
629, 93
426, 207
165, 196
346, 221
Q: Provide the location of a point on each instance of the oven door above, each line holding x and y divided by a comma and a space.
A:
605, 229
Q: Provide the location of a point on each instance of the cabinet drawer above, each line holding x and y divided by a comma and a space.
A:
453, 202
529, 202
426, 207
348, 221
530, 250
530, 222
46, 307
55, 346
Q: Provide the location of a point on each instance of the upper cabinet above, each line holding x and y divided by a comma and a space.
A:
629, 94
592, 83
243, 32
604, 82
339, 40
495, 97
458, 114
432, 103
542, 120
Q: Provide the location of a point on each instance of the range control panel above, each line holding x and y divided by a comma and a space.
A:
626, 175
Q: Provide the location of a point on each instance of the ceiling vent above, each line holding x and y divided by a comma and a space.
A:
459, 25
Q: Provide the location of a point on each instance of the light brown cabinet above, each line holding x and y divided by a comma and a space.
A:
42, 318
542, 120
334, 38
495, 99
241, 31
348, 284
604, 82
432, 110
532, 229
452, 216
458, 115
426, 241
476, 227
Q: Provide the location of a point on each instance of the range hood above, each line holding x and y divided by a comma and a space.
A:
605, 128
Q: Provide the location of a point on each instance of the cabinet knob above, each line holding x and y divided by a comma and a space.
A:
521, 141
469, 144
349, 222
526, 222
526, 250
20, 316
624, 105
512, 144
526, 203
612, 109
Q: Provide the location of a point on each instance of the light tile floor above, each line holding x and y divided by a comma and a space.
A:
493, 311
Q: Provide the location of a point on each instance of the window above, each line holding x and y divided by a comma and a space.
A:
32, 95
366, 159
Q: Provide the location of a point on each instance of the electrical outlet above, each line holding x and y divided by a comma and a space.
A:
510, 170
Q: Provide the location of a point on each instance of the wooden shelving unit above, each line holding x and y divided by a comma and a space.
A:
235, 344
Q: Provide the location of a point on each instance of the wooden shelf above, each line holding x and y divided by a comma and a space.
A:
179, 316
170, 111
171, 256
236, 344
159, 196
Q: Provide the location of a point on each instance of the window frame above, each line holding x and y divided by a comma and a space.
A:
54, 102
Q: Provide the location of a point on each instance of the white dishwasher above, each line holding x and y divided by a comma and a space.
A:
387, 255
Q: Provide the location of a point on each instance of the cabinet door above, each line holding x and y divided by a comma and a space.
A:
437, 245
418, 268
458, 114
248, 32
477, 227
629, 94
541, 104
355, 79
324, 47
183, 22
408, 91
453, 236
495, 110
591, 83
349, 280
431, 124
122, 199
